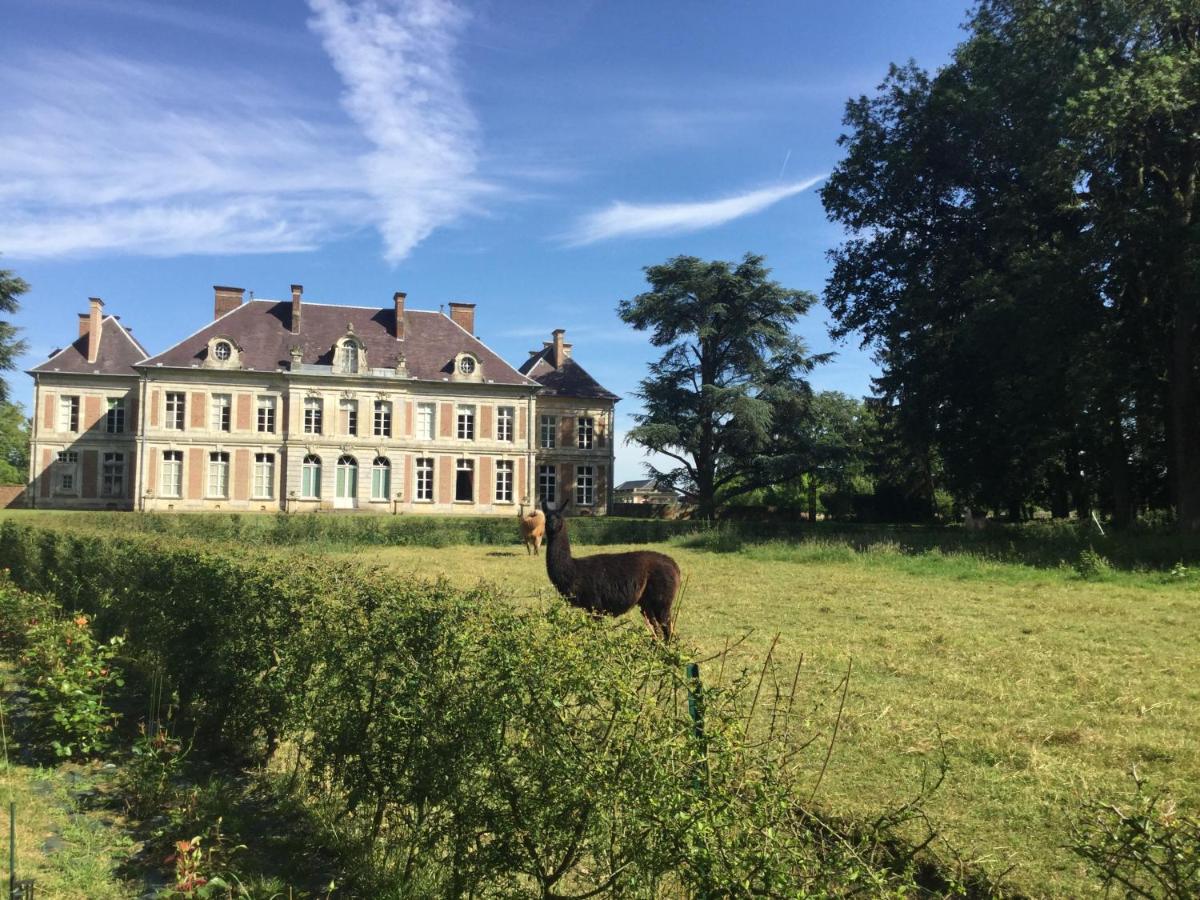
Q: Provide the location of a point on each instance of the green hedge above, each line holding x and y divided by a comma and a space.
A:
462, 746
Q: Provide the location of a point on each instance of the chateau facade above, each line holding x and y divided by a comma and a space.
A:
301, 406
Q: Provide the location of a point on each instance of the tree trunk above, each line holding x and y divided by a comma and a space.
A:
1184, 411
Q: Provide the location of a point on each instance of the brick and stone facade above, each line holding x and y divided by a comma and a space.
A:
299, 406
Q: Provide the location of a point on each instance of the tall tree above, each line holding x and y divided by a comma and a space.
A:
14, 444
726, 398
11, 287
1022, 237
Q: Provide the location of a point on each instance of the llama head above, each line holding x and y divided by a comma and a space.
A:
554, 518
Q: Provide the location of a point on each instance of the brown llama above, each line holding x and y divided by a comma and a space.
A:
533, 528
611, 584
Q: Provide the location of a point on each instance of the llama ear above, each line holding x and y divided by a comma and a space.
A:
562, 509
545, 508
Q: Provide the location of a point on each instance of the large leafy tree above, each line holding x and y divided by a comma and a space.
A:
14, 444
11, 287
727, 398
1022, 253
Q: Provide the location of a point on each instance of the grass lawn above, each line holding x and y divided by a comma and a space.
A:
1044, 687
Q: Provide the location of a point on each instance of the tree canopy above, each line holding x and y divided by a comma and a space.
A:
1022, 255
725, 399
11, 287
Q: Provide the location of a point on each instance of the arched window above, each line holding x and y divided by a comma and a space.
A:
350, 356
381, 478
347, 478
310, 477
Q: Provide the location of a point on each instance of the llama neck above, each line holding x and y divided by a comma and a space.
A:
559, 564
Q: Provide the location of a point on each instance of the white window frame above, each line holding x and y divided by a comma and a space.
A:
66, 465
263, 485
221, 414
465, 422
68, 413
350, 408
585, 432
547, 476
425, 470
310, 477
585, 485
547, 432
175, 411
345, 472
112, 474
170, 478
505, 417
218, 475
114, 416
381, 470
314, 415
505, 478
265, 414
381, 424
349, 357
426, 421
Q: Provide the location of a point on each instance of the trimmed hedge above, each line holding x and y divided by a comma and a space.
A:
462, 746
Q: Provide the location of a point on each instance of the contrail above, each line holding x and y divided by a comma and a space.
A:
786, 157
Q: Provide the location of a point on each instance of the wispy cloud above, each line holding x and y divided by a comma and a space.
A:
101, 154
397, 62
638, 220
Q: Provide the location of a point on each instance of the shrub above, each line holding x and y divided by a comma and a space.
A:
1092, 566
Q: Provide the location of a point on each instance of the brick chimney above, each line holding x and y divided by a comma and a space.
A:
95, 323
297, 290
560, 349
85, 321
398, 298
464, 315
226, 299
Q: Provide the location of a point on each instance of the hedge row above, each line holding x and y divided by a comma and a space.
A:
467, 748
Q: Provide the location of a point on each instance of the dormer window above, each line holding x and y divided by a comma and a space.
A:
466, 365
349, 354
350, 357
223, 353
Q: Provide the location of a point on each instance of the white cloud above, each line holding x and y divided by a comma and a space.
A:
630, 219
397, 61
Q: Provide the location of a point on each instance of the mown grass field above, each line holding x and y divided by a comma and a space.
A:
1041, 687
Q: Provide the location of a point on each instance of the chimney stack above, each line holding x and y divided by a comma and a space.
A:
464, 315
85, 321
95, 318
560, 349
226, 299
398, 298
297, 290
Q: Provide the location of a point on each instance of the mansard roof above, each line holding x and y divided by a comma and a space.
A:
119, 352
570, 380
262, 331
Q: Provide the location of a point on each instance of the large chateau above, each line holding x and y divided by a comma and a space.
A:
301, 406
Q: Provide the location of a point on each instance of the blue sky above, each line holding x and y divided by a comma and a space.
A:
531, 157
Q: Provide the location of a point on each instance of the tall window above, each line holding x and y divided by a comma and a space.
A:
68, 413
171, 483
504, 481
310, 477
350, 357
266, 415
66, 472
112, 475
176, 405
547, 482
348, 410
312, 415
424, 479
347, 478
114, 421
382, 425
547, 432
464, 480
504, 423
466, 423
586, 432
218, 475
381, 478
264, 476
426, 421
585, 485
222, 412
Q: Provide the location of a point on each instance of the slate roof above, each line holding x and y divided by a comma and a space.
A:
262, 331
119, 352
636, 485
572, 380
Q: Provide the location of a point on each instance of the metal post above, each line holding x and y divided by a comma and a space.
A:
12, 848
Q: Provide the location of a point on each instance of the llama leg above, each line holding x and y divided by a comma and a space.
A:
650, 624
